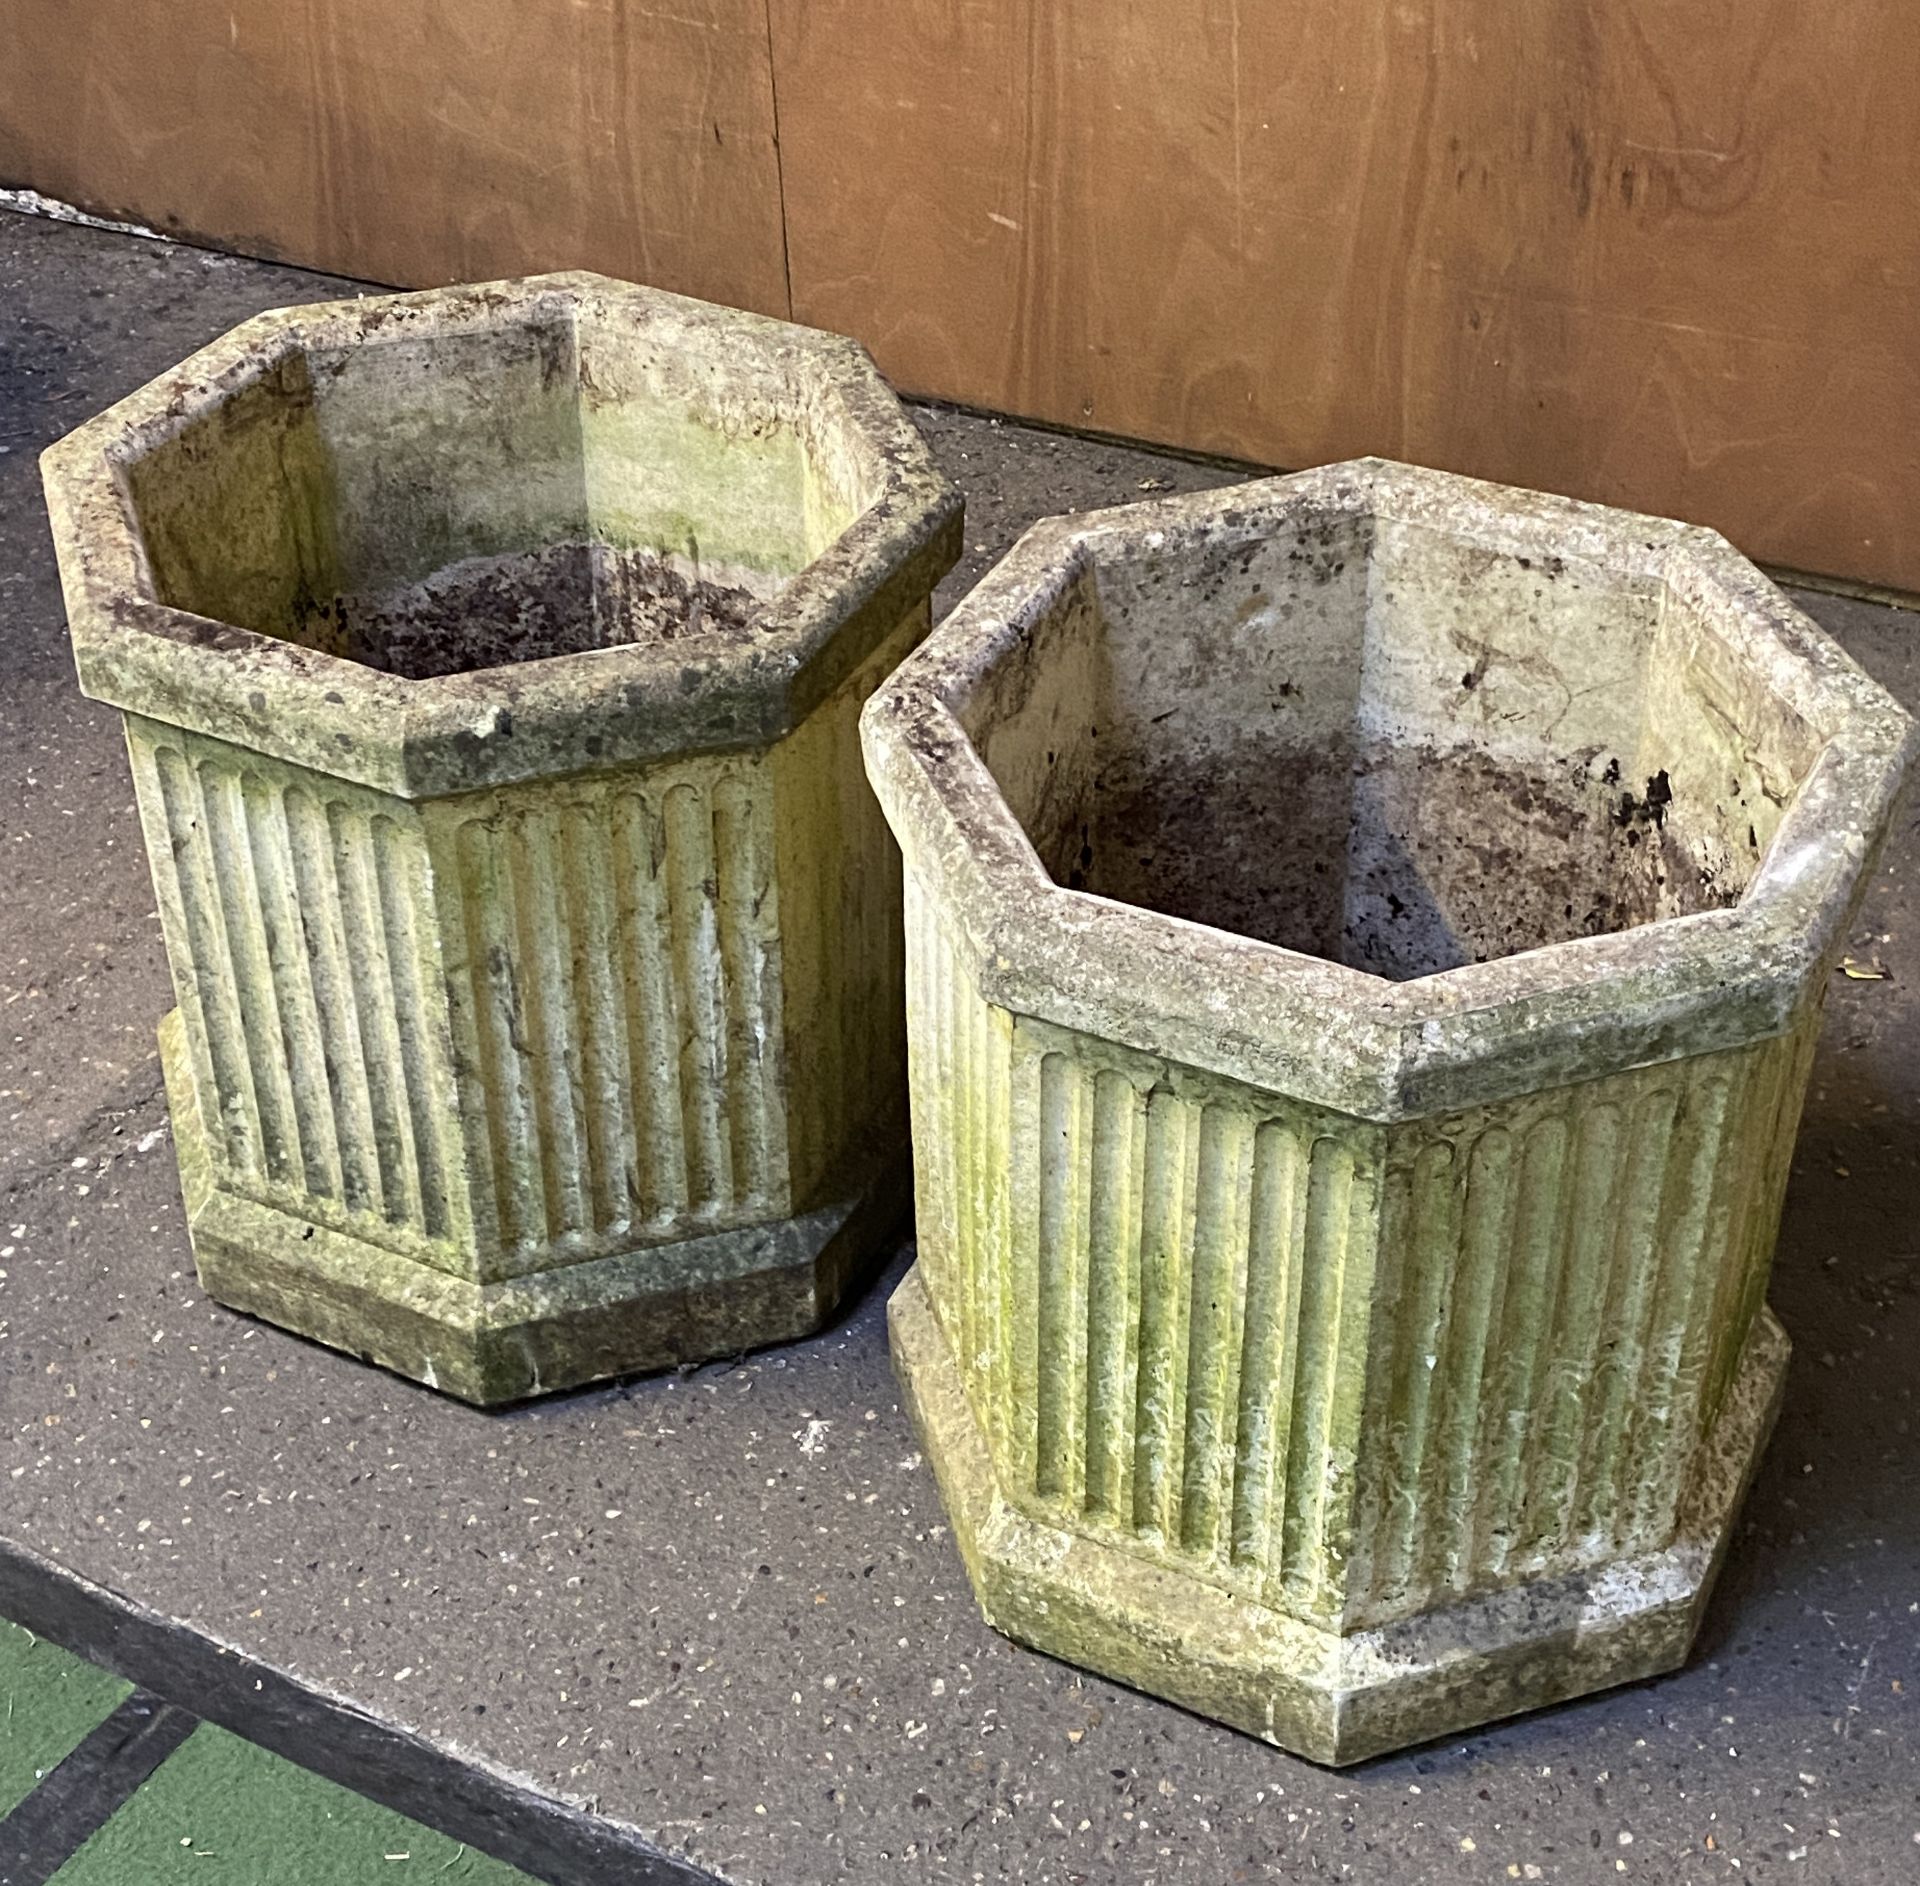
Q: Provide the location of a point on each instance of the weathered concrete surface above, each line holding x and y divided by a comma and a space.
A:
1351, 1111
397, 1537
490, 661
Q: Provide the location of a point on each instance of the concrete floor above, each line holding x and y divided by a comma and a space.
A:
732, 1654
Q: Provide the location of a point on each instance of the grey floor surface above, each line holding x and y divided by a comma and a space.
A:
722, 1610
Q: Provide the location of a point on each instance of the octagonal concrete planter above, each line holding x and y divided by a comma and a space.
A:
491, 662
1366, 934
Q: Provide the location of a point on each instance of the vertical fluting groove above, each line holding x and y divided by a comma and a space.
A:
830, 1101
692, 896
947, 998
545, 983
1553, 1479
1738, 1217
1633, 1260
1535, 1266
987, 1154
1062, 1262
979, 1167
1080, 1214
764, 996
988, 1150
1216, 1296
1486, 1236
929, 990
1429, 1209
1378, 1333
664, 1173
419, 1066
379, 1031
1657, 1401
1021, 1324
336, 1001
230, 853
1745, 1239
291, 953
958, 1007
1327, 1242
1750, 1283
157, 824
742, 885
1113, 1288
1269, 1351
236, 1118
1798, 1051
921, 992
1347, 1405
605, 1053
996, 1226
1164, 1224
519, 1195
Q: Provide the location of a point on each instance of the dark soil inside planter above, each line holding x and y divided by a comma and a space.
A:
1399, 861
563, 599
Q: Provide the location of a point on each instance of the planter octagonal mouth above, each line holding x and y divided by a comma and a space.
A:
491, 661
1366, 937
1564, 780
294, 539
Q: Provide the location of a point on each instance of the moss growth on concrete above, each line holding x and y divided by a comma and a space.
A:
528, 1030
1345, 1210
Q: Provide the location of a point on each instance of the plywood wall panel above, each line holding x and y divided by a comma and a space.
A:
414, 141
1660, 252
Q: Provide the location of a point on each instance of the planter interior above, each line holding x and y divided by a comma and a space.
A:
433, 504
1386, 745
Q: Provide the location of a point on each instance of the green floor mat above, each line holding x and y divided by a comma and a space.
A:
220, 1812
49, 1701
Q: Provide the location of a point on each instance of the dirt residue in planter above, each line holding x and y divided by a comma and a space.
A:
564, 599
1402, 861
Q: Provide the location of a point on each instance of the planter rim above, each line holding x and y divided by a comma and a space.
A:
556, 715
1314, 1029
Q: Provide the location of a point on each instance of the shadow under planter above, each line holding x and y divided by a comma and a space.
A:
491, 662
1366, 934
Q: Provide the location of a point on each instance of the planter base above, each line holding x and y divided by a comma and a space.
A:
651, 1308
1336, 1699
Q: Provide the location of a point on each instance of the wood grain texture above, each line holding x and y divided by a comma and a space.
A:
414, 142
1659, 253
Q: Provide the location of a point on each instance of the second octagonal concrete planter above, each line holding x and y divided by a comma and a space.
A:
491, 662
1366, 936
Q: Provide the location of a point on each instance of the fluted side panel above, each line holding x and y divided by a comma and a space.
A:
959, 1071
1556, 1282
615, 984
1157, 1287
311, 1001
1353, 1371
